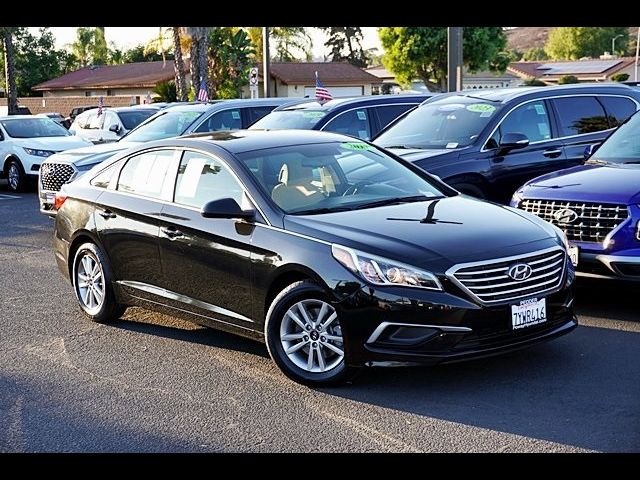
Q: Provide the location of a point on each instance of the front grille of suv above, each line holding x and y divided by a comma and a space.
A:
489, 283
54, 175
593, 221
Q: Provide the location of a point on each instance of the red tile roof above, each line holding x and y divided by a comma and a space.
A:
304, 73
142, 74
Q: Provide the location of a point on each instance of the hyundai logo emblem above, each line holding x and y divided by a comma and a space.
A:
520, 272
565, 216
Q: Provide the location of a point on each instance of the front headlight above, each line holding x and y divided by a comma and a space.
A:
516, 199
382, 271
85, 168
38, 153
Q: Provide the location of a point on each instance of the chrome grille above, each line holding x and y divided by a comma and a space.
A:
54, 175
488, 282
593, 223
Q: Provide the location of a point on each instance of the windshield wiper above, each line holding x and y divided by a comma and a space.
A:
318, 211
632, 162
598, 162
403, 147
394, 201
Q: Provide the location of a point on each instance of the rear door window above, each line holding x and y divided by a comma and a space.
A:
618, 109
147, 174
224, 120
354, 123
530, 119
256, 113
388, 113
580, 115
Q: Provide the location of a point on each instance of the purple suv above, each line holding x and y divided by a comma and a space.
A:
596, 204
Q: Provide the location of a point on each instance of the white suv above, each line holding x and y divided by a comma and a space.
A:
25, 142
110, 124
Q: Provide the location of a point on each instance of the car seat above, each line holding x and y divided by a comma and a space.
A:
296, 189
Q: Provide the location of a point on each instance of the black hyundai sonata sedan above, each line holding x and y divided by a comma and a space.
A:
331, 250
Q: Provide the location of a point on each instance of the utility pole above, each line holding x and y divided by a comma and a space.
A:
266, 77
454, 59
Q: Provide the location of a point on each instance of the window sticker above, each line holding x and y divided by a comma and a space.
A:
481, 108
191, 177
363, 134
235, 114
543, 128
451, 145
362, 115
355, 146
313, 114
540, 109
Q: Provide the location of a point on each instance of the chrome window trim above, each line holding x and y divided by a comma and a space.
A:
450, 273
484, 146
444, 328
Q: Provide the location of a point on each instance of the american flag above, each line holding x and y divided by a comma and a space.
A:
322, 94
203, 96
100, 106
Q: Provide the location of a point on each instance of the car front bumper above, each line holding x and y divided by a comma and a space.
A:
438, 327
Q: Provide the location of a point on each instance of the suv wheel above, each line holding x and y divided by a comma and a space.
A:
304, 336
16, 177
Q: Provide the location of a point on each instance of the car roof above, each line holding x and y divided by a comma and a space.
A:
313, 104
17, 117
246, 102
132, 108
504, 95
239, 141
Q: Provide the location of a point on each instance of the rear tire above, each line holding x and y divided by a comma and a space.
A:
304, 336
471, 190
16, 178
92, 278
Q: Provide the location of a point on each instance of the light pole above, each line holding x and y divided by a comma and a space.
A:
613, 44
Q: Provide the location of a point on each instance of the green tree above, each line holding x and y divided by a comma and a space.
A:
345, 44
572, 43
137, 54
35, 59
9, 69
566, 79
230, 58
198, 56
178, 65
255, 35
166, 91
620, 77
100, 52
160, 44
534, 82
290, 42
82, 46
421, 52
535, 53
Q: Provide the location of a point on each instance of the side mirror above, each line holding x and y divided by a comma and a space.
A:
225, 208
590, 150
114, 128
513, 141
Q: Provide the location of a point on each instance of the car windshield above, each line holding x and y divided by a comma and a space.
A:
326, 177
623, 146
451, 122
301, 119
131, 119
166, 124
33, 128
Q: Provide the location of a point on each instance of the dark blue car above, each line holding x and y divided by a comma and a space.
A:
596, 204
361, 117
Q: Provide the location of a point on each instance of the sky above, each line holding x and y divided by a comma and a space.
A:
127, 37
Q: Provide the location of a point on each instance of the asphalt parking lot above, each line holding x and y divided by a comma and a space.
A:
150, 383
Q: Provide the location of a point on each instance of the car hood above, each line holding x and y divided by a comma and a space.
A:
459, 229
90, 155
56, 144
589, 183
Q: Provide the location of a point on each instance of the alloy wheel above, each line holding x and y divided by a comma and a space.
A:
90, 284
14, 176
311, 336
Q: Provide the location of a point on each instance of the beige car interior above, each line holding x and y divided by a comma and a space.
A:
298, 189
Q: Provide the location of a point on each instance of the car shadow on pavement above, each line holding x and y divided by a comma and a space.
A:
611, 300
172, 328
580, 390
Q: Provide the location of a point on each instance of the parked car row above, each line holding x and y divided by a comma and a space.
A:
356, 247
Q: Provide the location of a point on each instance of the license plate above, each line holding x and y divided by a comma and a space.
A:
528, 312
50, 198
574, 253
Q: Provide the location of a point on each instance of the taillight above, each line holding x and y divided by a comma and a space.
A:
59, 200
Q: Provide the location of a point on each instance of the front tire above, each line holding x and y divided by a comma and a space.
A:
92, 285
304, 336
16, 178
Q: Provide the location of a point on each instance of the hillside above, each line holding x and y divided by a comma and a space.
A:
524, 38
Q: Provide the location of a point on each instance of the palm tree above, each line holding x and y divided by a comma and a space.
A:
161, 44
255, 35
178, 65
289, 41
199, 56
82, 46
9, 70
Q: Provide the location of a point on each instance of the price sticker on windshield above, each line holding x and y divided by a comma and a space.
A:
355, 146
481, 108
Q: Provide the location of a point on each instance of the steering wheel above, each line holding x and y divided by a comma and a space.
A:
353, 189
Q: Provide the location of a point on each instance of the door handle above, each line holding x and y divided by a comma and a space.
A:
107, 214
171, 232
553, 153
